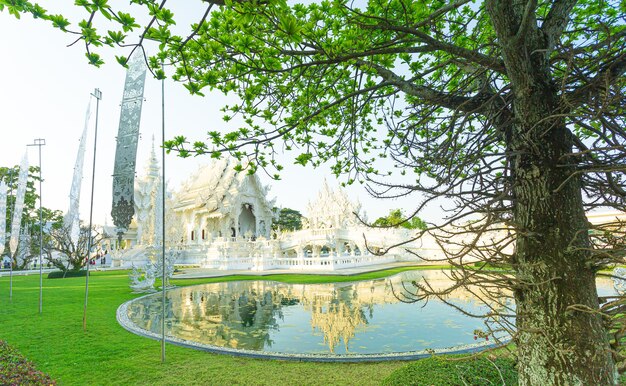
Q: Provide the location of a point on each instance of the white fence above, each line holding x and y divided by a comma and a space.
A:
323, 263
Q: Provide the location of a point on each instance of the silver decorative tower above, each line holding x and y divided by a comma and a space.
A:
126, 152
72, 219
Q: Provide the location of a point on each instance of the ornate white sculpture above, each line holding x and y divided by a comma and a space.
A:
72, 218
3, 218
142, 281
619, 280
19, 205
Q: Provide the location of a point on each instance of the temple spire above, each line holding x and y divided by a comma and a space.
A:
152, 170
72, 218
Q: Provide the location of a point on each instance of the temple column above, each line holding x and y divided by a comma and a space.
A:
196, 227
189, 228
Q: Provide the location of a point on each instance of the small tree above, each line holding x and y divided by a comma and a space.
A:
74, 256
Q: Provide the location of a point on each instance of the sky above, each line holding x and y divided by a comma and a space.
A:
44, 93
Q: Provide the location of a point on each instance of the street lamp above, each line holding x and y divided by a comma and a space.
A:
39, 142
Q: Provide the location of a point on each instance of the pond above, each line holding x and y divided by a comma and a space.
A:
339, 320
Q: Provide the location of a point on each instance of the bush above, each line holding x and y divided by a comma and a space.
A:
17, 370
59, 274
442, 372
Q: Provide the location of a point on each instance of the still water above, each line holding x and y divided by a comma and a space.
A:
340, 318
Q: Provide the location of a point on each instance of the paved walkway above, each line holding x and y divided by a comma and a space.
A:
26, 272
196, 273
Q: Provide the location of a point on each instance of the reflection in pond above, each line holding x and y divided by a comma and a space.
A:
358, 317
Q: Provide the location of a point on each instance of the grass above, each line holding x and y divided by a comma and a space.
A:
480, 371
106, 354
309, 279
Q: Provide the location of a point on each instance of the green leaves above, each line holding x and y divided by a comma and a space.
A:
59, 21
115, 37
316, 76
194, 88
127, 22
303, 158
94, 59
289, 25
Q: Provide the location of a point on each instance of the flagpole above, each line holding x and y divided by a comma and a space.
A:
39, 142
163, 212
10, 254
98, 95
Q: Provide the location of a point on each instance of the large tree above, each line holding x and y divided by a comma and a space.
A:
513, 111
286, 219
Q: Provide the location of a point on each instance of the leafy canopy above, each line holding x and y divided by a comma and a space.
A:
287, 219
350, 84
396, 218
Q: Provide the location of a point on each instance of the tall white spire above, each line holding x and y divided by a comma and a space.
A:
72, 219
19, 205
152, 170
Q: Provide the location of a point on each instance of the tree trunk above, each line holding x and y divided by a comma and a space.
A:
557, 345
562, 340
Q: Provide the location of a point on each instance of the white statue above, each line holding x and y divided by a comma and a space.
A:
139, 285
619, 280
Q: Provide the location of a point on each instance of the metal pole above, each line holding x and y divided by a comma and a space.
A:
163, 214
10, 256
98, 95
39, 142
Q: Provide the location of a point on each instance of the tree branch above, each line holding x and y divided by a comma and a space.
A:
556, 21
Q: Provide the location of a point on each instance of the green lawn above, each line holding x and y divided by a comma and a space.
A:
107, 354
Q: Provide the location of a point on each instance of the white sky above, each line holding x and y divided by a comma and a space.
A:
44, 93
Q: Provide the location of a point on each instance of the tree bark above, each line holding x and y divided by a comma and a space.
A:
558, 344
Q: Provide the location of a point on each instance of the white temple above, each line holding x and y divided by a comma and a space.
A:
217, 202
222, 219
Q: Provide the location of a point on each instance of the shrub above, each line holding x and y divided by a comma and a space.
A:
60, 274
17, 370
442, 372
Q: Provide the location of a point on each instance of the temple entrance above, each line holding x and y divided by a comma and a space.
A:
247, 221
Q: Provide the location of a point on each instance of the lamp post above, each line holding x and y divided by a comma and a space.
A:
39, 142
98, 95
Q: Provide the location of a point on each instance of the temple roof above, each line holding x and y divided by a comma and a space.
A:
332, 207
216, 187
